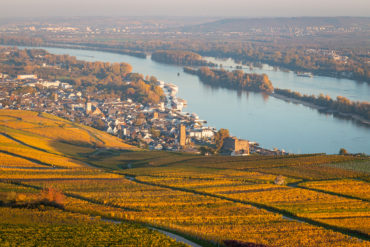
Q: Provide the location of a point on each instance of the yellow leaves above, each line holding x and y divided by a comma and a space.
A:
248, 179
197, 215
259, 187
21, 197
29, 227
349, 187
46, 131
9, 161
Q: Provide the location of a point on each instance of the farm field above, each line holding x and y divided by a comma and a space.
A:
300, 200
333, 205
197, 215
48, 226
354, 188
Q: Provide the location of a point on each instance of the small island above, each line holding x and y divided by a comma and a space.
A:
236, 79
178, 57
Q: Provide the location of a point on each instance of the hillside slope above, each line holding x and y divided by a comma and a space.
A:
44, 139
283, 23
48, 181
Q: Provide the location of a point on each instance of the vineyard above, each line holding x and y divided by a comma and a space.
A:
53, 227
298, 200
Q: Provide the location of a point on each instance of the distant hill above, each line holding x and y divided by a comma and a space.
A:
250, 24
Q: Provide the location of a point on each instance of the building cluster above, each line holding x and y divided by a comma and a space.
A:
329, 54
81, 29
156, 127
156, 28
161, 127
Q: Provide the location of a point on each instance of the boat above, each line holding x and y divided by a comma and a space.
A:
305, 74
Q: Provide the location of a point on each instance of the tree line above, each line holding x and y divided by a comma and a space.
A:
283, 52
110, 79
180, 58
236, 79
340, 104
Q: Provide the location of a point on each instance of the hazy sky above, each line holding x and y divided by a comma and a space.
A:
242, 8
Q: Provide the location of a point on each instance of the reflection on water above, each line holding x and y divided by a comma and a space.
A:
269, 121
354, 90
265, 96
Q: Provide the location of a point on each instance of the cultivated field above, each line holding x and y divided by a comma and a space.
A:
60, 180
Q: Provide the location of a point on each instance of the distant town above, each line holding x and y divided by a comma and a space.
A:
162, 127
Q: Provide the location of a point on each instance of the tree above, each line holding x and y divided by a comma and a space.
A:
52, 196
343, 151
153, 80
116, 69
99, 124
205, 150
130, 91
219, 138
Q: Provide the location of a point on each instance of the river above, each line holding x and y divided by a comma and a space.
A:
357, 91
269, 121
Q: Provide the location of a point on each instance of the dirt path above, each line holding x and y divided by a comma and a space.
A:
178, 238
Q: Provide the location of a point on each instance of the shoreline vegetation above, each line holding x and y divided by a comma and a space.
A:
239, 80
322, 109
341, 105
298, 62
81, 46
236, 79
186, 58
293, 59
110, 77
98, 47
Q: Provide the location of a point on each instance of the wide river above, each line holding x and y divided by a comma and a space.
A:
269, 121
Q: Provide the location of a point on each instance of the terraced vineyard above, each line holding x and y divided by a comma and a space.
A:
302, 200
55, 227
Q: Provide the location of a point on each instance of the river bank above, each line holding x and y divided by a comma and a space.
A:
141, 54
226, 79
322, 109
318, 72
137, 54
274, 123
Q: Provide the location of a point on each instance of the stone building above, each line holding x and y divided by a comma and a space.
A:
236, 146
182, 136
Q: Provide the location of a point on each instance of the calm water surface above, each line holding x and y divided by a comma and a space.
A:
253, 116
357, 91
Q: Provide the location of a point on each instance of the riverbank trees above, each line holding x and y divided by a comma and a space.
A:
113, 79
180, 58
340, 104
236, 79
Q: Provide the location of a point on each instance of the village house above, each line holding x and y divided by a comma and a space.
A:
235, 146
